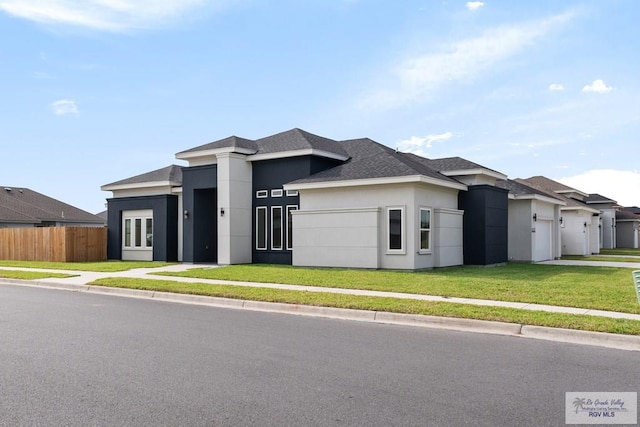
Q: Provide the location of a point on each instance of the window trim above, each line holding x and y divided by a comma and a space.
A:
288, 232
403, 244
276, 193
292, 193
273, 247
429, 249
262, 194
265, 232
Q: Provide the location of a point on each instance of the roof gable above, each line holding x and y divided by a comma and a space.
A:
171, 174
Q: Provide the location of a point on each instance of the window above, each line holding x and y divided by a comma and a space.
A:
276, 193
261, 228
276, 227
292, 193
290, 226
395, 225
425, 229
262, 194
137, 230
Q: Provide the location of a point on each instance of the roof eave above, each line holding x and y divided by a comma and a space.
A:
477, 171
297, 153
375, 181
138, 185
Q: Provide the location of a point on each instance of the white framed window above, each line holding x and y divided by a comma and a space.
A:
276, 228
292, 193
262, 194
424, 231
289, 229
137, 230
261, 228
276, 193
395, 230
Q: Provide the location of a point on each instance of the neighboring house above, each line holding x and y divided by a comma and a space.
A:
302, 199
22, 207
628, 227
607, 226
579, 223
534, 223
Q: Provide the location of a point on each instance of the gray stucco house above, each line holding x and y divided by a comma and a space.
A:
302, 199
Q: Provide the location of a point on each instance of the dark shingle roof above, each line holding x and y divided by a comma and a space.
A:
551, 193
291, 140
625, 214
370, 159
634, 209
455, 164
171, 173
22, 205
597, 198
232, 141
548, 184
520, 188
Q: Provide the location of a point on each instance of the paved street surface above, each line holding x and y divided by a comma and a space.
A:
78, 359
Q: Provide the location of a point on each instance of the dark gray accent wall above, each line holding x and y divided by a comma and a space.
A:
165, 224
273, 174
485, 224
199, 199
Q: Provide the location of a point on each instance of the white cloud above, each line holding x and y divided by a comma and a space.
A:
474, 5
416, 77
619, 185
109, 15
63, 107
419, 144
556, 87
598, 86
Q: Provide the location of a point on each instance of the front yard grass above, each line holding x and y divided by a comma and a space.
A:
105, 266
31, 275
600, 258
539, 318
601, 288
620, 251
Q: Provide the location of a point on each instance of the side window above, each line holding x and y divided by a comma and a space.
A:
261, 228
395, 228
425, 229
289, 230
276, 227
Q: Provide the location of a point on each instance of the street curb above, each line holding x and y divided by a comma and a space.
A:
600, 339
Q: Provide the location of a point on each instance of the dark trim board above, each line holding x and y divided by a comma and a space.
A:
165, 224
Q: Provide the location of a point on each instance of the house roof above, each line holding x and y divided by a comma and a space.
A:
634, 209
598, 198
229, 142
570, 203
517, 189
547, 184
23, 205
369, 159
288, 141
627, 215
171, 174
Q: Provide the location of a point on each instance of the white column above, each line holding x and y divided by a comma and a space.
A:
234, 199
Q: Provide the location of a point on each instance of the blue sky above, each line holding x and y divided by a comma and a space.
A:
95, 91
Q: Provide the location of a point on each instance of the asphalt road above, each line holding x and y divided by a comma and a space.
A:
77, 359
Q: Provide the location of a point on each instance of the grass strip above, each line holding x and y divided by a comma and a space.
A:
620, 251
32, 275
395, 305
102, 267
601, 258
598, 288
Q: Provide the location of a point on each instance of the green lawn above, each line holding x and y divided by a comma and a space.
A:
620, 251
602, 288
31, 275
539, 318
107, 266
602, 258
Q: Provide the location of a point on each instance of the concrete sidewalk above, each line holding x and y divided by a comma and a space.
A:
85, 277
80, 283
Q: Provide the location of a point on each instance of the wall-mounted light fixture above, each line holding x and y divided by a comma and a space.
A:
221, 211
535, 216
561, 220
585, 224
186, 214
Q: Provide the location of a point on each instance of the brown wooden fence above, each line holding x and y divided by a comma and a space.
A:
63, 244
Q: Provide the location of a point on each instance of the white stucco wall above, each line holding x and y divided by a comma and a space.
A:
575, 236
234, 196
333, 207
